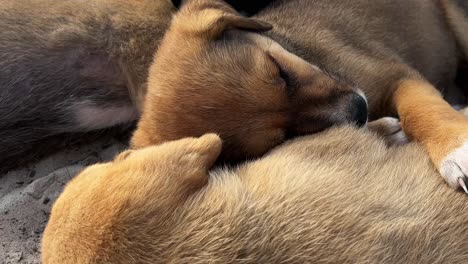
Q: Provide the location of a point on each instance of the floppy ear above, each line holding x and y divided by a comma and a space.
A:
227, 21
211, 18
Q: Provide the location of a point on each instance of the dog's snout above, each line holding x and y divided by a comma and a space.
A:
358, 109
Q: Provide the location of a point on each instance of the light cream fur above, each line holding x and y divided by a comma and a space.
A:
341, 196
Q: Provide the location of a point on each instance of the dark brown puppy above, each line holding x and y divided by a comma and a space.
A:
255, 90
74, 66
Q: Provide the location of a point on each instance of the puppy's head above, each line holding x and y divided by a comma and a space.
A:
215, 72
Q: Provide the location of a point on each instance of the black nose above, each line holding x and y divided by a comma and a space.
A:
358, 110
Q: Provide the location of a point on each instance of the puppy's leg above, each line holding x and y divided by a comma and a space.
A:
390, 129
463, 110
427, 118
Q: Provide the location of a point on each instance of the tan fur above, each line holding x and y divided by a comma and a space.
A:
257, 90
427, 118
183, 102
337, 197
118, 192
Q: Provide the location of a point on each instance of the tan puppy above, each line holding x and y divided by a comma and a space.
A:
340, 196
256, 90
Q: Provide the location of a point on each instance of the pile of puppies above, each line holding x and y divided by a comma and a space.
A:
297, 68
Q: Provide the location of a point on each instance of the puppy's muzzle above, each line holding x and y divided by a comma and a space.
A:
346, 108
358, 109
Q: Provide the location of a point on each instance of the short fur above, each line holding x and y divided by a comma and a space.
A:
340, 196
74, 66
199, 82
256, 90
247, 7
59, 58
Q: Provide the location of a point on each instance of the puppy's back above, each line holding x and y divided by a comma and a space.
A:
72, 66
342, 197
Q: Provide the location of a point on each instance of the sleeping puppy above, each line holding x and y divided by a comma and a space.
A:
74, 66
340, 196
215, 72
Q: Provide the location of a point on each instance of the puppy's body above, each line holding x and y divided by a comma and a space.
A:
339, 197
73, 66
371, 45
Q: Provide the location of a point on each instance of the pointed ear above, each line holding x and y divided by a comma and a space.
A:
123, 155
199, 152
210, 19
203, 151
189, 160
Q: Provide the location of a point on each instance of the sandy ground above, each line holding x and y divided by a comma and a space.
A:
27, 194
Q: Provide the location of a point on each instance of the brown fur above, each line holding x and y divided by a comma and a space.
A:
200, 83
456, 17
61, 57
256, 90
75, 66
411, 97
341, 196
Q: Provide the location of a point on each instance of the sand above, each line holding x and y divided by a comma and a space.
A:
27, 194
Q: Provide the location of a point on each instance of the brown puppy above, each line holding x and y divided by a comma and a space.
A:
211, 75
340, 196
199, 82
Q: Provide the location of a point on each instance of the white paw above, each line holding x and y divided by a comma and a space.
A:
463, 111
390, 129
454, 168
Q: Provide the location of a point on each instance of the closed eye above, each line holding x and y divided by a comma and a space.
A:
288, 78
